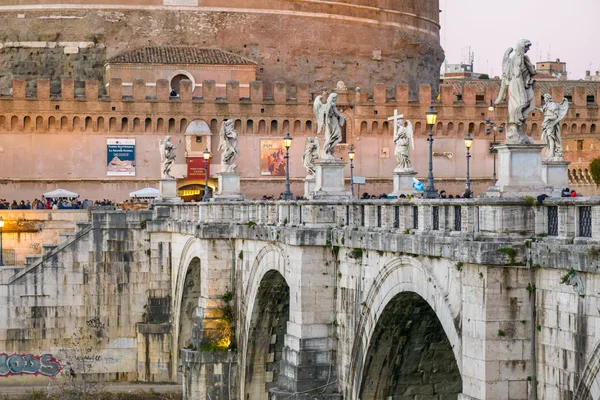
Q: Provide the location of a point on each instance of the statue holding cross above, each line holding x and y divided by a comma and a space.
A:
404, 138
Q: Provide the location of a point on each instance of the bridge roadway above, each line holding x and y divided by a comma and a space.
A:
404, 299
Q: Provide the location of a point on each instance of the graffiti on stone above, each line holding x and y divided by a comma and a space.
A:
21, 364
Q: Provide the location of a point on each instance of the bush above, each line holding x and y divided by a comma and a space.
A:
595, 170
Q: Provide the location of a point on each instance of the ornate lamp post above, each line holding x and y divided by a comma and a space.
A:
287, 143
492, 127
207, 155
430, 190
1, 226
468, 144
351, 155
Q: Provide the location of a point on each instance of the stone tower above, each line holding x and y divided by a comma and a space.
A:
306, 41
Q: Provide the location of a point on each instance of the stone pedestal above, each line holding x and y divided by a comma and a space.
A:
168, 191
519, 171
329, 182
556, 174
403, 181
309, 185
229, 187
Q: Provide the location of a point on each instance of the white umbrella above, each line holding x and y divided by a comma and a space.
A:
60, 194
145, 193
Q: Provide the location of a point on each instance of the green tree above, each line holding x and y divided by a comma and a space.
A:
595, 170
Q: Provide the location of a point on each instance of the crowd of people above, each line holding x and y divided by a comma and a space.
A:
53, 204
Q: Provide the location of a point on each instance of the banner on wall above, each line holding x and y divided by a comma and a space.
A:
120, 157
272, 157
197, 167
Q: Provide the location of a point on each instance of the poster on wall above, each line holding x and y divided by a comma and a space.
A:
272, 157
120, 157
197, 167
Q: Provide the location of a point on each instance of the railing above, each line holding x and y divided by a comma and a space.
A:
560, 219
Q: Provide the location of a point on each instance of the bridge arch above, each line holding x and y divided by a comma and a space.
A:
268, 296
401, 277
588, 387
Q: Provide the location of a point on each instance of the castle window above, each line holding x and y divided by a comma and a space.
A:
580, 145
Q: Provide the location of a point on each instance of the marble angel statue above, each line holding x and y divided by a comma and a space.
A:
228, 144
167, 157
554, 113
310, 155
404, 138
328, 116
517, 81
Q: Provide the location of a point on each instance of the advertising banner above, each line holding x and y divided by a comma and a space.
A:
120, 157
272, 157
197, 168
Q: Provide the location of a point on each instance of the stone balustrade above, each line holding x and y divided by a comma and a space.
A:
564, 220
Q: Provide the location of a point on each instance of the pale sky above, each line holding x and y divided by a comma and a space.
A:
565, 29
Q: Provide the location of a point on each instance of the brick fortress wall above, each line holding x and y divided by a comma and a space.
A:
48, 141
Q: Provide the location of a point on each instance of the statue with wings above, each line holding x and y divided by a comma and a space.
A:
328, 116
404, 138
228, 144
517, 81
310, 155
554, 113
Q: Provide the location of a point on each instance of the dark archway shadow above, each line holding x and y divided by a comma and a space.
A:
188, 335
409, 355
266, 336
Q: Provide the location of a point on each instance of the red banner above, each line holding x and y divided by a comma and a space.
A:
197, 168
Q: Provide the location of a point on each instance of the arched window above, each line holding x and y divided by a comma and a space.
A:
137, 125
363, 128
461, 128
297, 126
64, 124
564, 128
583, 128
176, 78
101, 126
593, 128
14, 123
52, 124
418, 128
182, 125
574, 128
309, 126
213, 126
238, 125
160, 125
385, 127
77, 124
88, 124
39, 124
439, 129
534, 129
124, 124
286, 126
2, 122
471, 127
274, 126
481, 129
148, 125
27, 126
171, 125
375, 128
450, 128
262, 127
249, 127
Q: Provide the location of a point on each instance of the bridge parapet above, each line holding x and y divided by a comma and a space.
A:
564, 220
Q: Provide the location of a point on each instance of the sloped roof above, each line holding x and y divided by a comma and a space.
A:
545, 86
179, 55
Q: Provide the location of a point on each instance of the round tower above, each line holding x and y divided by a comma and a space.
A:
360, 42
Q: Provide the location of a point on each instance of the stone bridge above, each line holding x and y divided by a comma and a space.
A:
433, 299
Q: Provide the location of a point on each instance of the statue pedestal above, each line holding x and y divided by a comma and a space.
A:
403, 181
310, 184
329, 182
229, 187
168, 191
556, 174
519, 172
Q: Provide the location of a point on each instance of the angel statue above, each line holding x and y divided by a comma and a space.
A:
310, 155
167, 157
517, 81
228, 143
328, 115
553, 114
404, 138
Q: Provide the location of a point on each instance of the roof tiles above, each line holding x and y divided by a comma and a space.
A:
179, 55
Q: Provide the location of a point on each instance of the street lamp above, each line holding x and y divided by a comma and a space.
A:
468, 144
287, 143
1, 226
430, 191
351, 155
206, 156
493, 127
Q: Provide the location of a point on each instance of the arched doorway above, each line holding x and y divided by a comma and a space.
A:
188, 336
268, 326
409, 354
176, 78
